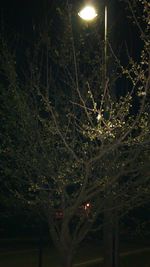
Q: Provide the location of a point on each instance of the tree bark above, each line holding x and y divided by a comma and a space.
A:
67, 259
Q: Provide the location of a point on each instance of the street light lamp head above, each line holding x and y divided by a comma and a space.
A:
88, 13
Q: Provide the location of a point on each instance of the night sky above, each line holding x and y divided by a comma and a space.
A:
23, 15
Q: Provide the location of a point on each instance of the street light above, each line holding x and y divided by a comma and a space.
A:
88, 13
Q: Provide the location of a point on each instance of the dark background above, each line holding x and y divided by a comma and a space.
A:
22, 17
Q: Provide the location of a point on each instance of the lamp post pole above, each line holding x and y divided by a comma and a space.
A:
110, 230
105, 46
88, 13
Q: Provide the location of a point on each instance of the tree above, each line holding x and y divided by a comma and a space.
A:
74, 157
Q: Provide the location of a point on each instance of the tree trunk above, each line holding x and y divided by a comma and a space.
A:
67, 259
62, 242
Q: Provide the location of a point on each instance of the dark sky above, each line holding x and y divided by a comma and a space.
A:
21, 13
21, 16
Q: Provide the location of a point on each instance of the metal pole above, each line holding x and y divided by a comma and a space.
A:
40, 251
105, 45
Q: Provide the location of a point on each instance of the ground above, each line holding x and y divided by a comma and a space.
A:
24, 253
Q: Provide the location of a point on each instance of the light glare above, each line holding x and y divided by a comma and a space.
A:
88, 13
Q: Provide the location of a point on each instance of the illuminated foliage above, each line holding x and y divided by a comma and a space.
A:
76, 142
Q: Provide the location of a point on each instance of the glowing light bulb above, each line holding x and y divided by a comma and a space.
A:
88, 13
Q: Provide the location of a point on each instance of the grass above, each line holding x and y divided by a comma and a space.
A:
140, 259
88, 254
28, 258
